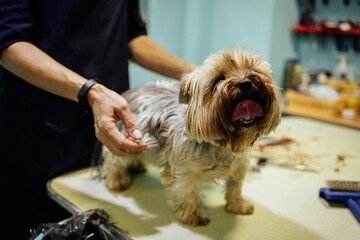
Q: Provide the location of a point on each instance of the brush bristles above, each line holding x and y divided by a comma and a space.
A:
351, 186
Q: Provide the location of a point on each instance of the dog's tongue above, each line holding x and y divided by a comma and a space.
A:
246, 110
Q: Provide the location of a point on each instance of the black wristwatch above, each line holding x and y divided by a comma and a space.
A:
82, 95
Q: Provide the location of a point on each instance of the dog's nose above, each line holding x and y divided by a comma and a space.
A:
244, 85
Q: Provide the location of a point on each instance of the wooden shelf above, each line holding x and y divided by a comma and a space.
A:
323, 30
321, 115
319, 109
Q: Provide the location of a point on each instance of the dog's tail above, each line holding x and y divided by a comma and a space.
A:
97, 159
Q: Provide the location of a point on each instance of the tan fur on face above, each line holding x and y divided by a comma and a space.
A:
210, 104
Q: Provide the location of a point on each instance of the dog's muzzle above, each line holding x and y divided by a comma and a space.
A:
246, 110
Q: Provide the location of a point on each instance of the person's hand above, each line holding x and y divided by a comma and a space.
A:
108, 108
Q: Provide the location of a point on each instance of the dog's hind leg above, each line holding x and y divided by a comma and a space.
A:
116, 170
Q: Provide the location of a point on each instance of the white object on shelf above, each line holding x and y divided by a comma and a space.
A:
348, 113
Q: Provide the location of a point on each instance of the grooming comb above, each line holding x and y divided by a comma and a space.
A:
347, 191
350, 186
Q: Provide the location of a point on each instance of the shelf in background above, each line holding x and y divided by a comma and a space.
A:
304, 105
323, 30
321, 115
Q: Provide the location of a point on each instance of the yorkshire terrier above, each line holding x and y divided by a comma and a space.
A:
201, 129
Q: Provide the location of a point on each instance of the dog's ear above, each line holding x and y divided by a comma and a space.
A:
184, 97
187, 87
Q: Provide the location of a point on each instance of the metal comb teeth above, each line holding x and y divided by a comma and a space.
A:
351, 186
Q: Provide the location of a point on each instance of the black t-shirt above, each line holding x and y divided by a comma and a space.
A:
43, 132
43, 135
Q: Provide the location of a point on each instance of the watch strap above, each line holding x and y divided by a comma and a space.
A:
82, 95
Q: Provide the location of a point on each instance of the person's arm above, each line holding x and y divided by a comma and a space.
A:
148, 54
37, 68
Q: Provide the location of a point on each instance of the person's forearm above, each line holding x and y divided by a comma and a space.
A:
37, 68
149, 55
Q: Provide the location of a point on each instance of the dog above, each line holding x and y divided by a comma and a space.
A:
201, 129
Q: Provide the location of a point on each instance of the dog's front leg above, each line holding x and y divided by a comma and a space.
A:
235, 203
183, 192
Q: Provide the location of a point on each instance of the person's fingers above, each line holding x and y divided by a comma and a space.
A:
128, 121
115, 149
108, 108
109, 133
122, 152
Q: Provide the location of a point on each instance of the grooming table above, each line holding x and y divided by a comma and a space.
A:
287, 205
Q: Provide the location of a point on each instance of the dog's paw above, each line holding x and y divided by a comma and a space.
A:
118, 182
241, 207
197, 218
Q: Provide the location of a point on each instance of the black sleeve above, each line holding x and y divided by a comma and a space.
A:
15, 22
136, 24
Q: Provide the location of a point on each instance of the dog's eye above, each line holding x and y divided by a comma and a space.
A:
219, 79
253, 76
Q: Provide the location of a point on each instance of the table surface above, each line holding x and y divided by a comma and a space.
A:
287, 205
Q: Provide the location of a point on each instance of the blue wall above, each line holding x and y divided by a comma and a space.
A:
193, 29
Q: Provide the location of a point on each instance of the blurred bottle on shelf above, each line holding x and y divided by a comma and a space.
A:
293, 74
341, 69
305, 82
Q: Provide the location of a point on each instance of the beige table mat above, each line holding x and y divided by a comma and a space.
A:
286, 201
